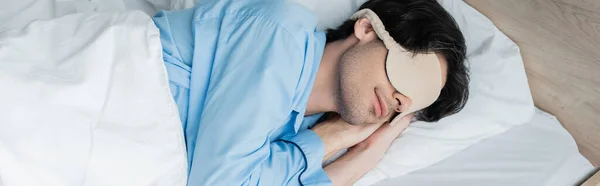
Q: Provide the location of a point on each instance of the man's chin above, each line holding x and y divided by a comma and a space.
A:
359, 120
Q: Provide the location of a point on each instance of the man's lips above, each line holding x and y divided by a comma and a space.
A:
380, 107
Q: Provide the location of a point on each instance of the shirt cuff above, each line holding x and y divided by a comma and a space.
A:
313, 150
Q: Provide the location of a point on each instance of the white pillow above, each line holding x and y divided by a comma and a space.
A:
499, 94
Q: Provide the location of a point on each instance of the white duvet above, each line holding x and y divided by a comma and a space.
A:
85, 101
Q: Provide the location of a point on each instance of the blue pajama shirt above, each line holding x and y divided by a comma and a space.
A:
241, 72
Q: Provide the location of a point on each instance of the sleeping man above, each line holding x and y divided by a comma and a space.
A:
252, 79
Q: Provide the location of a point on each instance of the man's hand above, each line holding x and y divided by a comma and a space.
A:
338, 134
363, 157
385, 135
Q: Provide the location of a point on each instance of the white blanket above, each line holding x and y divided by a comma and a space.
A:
85, 101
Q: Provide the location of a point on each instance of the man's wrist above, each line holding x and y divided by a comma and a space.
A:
330, 144
352, 166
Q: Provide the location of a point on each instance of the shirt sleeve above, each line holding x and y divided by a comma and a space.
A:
253, 82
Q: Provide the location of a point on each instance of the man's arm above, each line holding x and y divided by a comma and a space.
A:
363, 157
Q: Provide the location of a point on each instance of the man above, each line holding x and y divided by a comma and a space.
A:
252, 78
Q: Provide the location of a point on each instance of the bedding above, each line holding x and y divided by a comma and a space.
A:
15, 14
86, 102
537, 153
500, 99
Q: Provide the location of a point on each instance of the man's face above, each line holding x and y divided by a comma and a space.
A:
365, 94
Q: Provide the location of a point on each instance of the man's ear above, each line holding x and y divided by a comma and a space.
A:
364, 31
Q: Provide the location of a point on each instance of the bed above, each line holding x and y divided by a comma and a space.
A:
539, 152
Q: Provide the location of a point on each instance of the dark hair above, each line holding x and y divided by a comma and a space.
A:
423, 26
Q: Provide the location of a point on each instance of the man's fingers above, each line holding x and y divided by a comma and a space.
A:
399, 124
402, 120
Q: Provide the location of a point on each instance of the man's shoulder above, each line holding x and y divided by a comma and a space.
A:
287, 14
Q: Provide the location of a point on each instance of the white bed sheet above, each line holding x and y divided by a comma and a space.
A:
538, 153
18, 13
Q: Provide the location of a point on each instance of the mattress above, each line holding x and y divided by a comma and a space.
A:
538, 153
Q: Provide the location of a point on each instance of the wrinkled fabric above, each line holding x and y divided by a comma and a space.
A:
86, 102
241, 73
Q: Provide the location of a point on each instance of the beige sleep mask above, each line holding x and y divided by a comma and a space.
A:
416, 76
